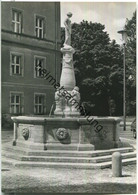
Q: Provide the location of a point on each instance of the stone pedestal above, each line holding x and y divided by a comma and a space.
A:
67, 79
67, 106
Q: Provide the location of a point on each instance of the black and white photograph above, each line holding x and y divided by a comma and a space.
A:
68, 97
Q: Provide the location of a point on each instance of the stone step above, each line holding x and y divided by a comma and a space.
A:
128, 134
7, 163
102, 165
128, 140
131, 136
66, 159
79, 153
75, 159
12, 155
60, 153
127, 131
127, 137
107, 158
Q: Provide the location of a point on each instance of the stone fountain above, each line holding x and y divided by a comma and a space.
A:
67, 140
67, 130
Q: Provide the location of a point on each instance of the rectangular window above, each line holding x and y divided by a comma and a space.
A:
39, 104
16, 103
39, 27
16, 64
17, 21
39, 65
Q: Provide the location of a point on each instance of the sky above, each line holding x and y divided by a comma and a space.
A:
111, 14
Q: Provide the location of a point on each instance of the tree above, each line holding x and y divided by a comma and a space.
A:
131, 65
98, 68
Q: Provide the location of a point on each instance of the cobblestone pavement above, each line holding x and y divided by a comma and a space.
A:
47, 180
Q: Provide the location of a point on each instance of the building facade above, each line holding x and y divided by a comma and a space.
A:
30, 36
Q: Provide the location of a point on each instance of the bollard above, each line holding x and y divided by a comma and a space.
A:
116, 164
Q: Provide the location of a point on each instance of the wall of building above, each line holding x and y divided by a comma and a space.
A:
28, 93
29, 46
29, 10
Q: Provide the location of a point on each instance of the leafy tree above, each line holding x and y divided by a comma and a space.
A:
131, 65
98, 68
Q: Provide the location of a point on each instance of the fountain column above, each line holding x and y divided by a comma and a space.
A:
67, 80
67, 76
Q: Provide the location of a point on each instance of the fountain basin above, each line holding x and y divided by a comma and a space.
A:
45, 133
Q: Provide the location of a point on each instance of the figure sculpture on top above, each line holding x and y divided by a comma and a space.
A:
67, 24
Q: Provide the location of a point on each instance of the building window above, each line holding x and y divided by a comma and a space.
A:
17, 21
39, 27
16, 64
39, 65
39, 104
16, 103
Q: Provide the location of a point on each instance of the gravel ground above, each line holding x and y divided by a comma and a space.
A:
38, 180
6, 136
50, 180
